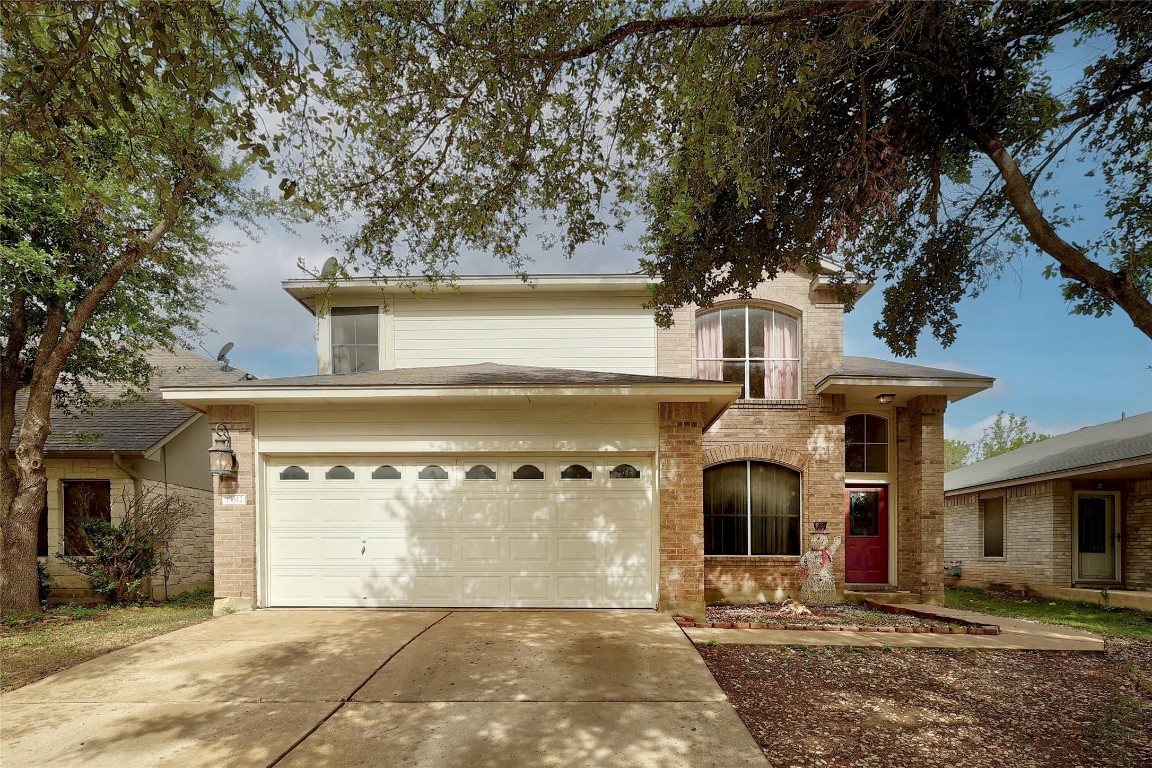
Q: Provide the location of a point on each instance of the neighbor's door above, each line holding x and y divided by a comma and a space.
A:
866, 542
1096, 535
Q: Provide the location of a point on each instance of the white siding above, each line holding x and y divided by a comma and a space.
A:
587, 425
597, 332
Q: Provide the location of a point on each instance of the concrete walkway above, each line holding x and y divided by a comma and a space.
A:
412, 688
1014, 635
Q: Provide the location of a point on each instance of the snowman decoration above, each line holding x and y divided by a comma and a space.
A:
818, 584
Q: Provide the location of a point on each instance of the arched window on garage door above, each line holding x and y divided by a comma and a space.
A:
751, 508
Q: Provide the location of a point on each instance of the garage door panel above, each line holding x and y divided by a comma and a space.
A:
580, 588
484, 511
582, 550
556, 542
484, 590
530, 511
481, 551
528, 550
528, 587
296, 510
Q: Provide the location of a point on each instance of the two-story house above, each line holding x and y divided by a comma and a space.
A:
546, 445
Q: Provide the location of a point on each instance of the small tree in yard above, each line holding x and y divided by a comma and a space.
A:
126, 131
123, 556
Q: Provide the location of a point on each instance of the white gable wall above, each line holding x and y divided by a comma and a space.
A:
598, 332
593, 331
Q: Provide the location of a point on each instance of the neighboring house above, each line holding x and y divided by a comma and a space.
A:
1074, 510
94, 459
545, 444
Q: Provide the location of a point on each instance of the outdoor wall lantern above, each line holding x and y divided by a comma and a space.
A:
885, 399
221, 459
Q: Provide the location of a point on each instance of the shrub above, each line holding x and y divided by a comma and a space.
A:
125, 554
43, 583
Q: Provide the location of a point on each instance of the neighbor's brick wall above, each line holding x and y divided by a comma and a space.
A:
807, 435
681, 508
920, 469
191, 547
1137, 534
1037, 538
234, 535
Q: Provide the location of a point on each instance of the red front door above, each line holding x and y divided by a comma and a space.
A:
866, 540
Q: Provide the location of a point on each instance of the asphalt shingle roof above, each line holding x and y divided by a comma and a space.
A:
1126, 439
482, 374
136, 426
871, 367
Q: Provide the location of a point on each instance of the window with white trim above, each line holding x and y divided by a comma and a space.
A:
755, 347
355, 339
751, 508
866, 443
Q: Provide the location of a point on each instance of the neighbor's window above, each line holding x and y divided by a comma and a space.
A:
992, 521
84, 500
754, 347
866, 443
355, 339
751, 507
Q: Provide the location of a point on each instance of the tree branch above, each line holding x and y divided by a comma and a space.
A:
647, 27
1118, 288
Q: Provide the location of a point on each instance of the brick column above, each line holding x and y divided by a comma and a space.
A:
682, 508
920, 460
234, 525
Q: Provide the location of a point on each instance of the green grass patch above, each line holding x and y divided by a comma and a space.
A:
36, 645
1101, 619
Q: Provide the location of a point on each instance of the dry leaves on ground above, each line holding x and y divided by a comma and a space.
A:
907, 708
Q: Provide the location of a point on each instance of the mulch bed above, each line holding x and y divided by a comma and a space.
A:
834, 615
906, 708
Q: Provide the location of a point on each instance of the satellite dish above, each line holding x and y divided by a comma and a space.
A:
328, 271
222, 355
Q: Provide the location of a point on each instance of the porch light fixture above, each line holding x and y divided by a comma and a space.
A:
885, 399
221, 459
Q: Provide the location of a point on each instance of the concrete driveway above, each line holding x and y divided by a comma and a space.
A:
382, 688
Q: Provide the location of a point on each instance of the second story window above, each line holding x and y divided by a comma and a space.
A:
755, 347
355, 339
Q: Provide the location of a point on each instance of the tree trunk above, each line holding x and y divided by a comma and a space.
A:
19, 590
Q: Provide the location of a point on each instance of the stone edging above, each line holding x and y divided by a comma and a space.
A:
954, 626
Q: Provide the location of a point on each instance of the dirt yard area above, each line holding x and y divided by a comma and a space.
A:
835, 615
907, 708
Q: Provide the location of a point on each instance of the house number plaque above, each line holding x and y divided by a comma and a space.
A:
234, 498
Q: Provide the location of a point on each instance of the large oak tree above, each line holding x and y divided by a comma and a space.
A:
912, 141
127, 129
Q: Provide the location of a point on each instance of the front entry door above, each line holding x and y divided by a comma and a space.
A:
866, 543
1096, 534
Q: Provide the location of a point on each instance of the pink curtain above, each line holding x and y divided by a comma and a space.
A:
783, 352
709, 344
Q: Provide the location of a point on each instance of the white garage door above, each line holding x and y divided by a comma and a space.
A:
461, 531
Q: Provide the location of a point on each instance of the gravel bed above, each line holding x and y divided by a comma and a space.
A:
913, 708
835, 615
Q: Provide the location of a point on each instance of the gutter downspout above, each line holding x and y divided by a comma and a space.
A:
137, 481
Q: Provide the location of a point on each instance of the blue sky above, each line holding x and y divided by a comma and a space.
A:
1061, 371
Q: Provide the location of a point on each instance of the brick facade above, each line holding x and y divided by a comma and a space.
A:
1137, 534
1038, 534
681, 508
920, 514
235, 524
808, 435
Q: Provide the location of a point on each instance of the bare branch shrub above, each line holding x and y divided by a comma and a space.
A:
125, 554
